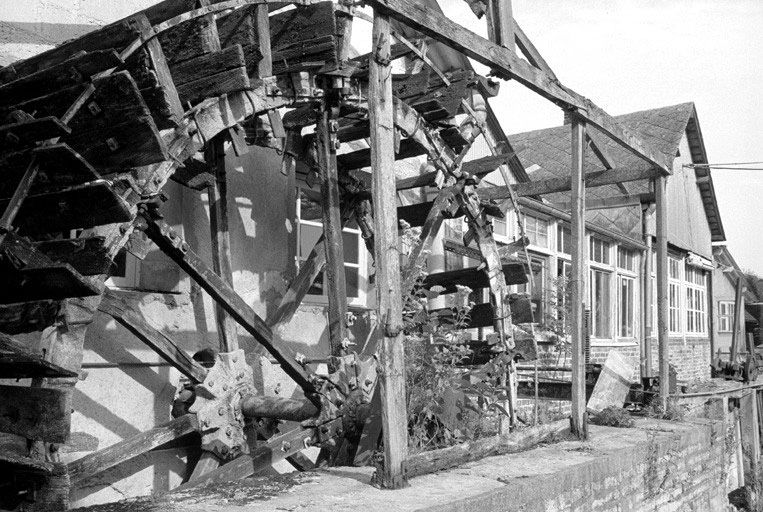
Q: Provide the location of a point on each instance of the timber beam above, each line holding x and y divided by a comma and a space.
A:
509, 65
611, 202
563, 184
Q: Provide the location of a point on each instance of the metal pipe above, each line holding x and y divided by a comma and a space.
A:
257, 406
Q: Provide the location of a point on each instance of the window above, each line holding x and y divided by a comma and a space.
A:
454, 230
563, 239
674, 295
600, 302
538, 292
725, 316
625, 309
599, 251
500, 228
536, 230
696, 301
310, 229
626, 259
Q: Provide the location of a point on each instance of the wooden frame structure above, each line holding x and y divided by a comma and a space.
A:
230, 62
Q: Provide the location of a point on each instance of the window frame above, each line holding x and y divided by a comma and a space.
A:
695, 316
727, 316
362, 264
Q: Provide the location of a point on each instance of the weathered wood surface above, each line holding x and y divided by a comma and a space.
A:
76, 70
336, 282
118, 308
259, 406
95, 463
25, 132
217, 193
474, 277
36, 413
80, 206
663, 307
17, 361
387, 258
304, 38
88, 256
30, 275
208, 64
214, 85
445, 458
578, 278
57, 166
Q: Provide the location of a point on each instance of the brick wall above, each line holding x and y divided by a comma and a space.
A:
670, 467
690, 357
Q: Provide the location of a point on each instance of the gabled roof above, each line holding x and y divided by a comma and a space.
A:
548, 152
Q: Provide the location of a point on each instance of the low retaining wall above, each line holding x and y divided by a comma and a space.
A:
654, 466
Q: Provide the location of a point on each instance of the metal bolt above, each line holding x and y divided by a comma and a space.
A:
94, 108
286, 446
205, 423
112, 143
229, 432
221, 411
225, 387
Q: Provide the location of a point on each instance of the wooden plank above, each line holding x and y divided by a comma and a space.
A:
388, 285
214, 85
738, 323
415, 215
36, 413
88, 256
303, 38
506, 62
18, 362
75, 70
217, 192
81, 206
132, 143
163, 98
191, 39
362, 157
445, 458
663, 318
577, 229
222, 293
15, 134
336, 283
127, 449
506, 251
118, 308
208, 64
474, 277
58, 166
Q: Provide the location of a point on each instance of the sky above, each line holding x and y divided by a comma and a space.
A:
625, 55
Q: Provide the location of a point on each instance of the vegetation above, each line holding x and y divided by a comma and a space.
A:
613, 417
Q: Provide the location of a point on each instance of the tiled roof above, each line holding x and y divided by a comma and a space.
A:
550, 150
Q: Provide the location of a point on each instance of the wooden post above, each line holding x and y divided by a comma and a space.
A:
579, 419
387, 256
737, 333
336, 282
218, 223
500, 23
662, 289
646, 303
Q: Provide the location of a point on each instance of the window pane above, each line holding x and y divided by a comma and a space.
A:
600, 303
351, 275
626, 307
499, 227
350, 241
308, 236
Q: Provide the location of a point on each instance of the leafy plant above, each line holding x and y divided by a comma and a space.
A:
613, 417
